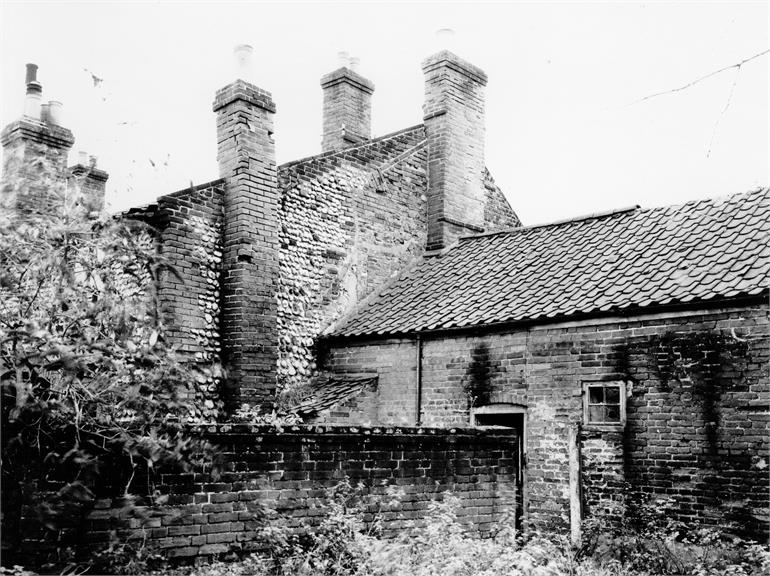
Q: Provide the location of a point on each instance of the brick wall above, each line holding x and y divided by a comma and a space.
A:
349, 222
288, 470
188, 224
698, 422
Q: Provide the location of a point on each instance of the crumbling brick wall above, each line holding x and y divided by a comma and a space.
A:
288, 470
697, 425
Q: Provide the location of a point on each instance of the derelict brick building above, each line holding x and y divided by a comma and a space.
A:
391, 279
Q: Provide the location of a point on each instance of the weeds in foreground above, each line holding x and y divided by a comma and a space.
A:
348, 540
344, 545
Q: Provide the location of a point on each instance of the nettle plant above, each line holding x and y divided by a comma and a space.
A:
85, 372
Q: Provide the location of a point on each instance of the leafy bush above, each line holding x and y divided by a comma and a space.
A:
85, 370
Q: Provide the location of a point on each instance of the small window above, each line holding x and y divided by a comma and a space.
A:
605, 403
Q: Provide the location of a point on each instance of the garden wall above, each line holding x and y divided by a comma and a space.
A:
288, 470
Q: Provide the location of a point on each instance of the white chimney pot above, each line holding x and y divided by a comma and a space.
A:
244, 67
55, 112
32, 105
344, 58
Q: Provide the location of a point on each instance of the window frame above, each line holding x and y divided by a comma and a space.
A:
622, 404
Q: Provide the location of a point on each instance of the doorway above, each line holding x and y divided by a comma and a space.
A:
508, 416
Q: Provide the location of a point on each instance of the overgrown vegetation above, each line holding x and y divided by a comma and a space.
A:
85, 370
344, 545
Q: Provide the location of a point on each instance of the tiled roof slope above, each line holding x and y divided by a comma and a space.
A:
701, 250
335, 390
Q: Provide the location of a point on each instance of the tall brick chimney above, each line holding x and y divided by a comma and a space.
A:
35, 155
246, 155
453, 114
347, 109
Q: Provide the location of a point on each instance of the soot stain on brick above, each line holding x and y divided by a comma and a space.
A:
696, 360
478, 377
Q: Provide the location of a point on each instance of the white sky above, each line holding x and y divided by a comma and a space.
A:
562, 140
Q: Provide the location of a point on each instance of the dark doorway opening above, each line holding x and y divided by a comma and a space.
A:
508, 416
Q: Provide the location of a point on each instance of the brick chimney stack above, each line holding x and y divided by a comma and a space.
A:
453, 114
92, 182
347, 108
35, 164
246, 155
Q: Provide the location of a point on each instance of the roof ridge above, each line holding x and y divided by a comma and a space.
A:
330, 153
592, 216
598, 215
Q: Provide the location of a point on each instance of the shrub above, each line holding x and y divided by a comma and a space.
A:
85, 370
343, 544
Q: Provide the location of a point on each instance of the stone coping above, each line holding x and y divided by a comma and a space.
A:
348, 430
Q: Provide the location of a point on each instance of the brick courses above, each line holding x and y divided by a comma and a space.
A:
246, 155
347, 109
453, 113
287, 470
188, 228
350, 221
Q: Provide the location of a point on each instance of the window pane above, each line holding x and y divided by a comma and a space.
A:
595, 394
612, 395
612, 413
596, 413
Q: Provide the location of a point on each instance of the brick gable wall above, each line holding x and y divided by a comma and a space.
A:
349, 223
698, 393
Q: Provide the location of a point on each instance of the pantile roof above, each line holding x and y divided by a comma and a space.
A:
701, 250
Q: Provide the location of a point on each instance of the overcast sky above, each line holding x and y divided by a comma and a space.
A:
564, 137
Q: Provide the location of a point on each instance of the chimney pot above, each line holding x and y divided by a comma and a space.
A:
344, 59
31, 73
83, 158
34, 87
45, 115
354, 62
55, 112
445, 37
243, 61
32, 103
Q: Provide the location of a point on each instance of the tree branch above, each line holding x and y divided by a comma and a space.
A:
724, 110
701, 79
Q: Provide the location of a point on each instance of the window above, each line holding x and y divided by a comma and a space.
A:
605, 403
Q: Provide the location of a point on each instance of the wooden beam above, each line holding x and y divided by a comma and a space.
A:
575, 509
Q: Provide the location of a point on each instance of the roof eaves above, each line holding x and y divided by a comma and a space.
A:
667, 304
